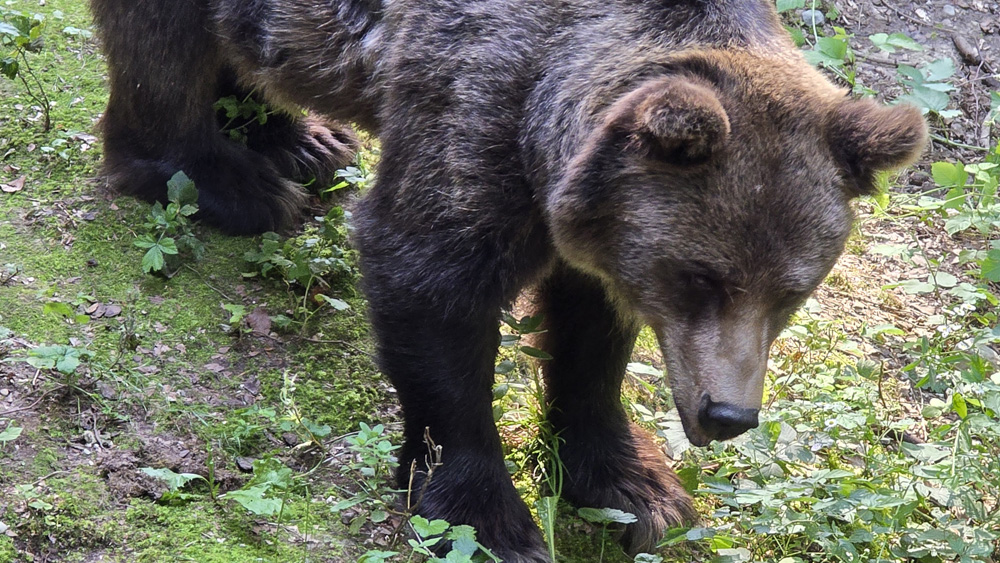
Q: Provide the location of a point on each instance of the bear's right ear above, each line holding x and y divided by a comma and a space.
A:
867, 138
675, 119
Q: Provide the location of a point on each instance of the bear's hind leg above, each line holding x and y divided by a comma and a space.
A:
609, 462
165, 72
308, 150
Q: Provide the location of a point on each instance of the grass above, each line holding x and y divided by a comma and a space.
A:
880, 442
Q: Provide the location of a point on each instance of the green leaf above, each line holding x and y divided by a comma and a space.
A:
644, 369
376, 556
7, 29
787, 5
463, 539
153, 261
829, 51
181, 190
57, 308
959, 405
949, 175
606, 516
68, 364
426, 528
926, 99
535, 353
547, 508
174, 480
168, 245
337, 304
10, 434
941, 69
889, 43
990, 269
253, 500
944, 279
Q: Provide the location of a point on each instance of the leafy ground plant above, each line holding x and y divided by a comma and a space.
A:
170, 237
20, 35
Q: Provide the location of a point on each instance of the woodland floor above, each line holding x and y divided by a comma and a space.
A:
167, 387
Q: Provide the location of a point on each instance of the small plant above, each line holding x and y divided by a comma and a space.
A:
10, 434
170, 231
20, 35
463, 547
311, 265
605, 517
241, 114
357, 176
270, 476
60, 358
929, 87
175, 483
373, 462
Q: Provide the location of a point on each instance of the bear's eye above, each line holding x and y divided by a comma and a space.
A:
703, 284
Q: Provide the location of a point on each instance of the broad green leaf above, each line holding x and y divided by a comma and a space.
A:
337, 304
606, 516
376, 556
426, 528
10, 434
535, 353
991, 266
57, 308
174, 480
786, 5
463, 539
959, 405
941, 69
153, 261
889, 43
949, 175
253, 500
168, 245
7, 29
946, 280
181, 190
644, 369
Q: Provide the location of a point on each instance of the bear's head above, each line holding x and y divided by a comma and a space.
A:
712, 200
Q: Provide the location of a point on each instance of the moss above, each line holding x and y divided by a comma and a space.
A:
78, 515
205, 533
8, 552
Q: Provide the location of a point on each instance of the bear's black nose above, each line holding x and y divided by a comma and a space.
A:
723, 421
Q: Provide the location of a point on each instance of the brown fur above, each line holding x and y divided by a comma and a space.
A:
668, 162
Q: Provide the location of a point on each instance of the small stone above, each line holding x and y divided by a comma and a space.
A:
813, 17
290, 438
4, 392
919, 178
948, 10
245, 464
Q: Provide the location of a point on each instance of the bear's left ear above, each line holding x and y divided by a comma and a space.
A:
867, 138
674, 119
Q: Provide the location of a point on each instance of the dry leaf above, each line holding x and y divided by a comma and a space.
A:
15, 186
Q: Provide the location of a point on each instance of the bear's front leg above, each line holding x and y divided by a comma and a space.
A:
442, 368
609, 462
435, 288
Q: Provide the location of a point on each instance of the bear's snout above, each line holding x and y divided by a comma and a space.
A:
722, 421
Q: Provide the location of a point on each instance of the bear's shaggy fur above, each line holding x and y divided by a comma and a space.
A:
665, 162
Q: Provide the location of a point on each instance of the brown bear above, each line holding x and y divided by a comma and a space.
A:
673, 163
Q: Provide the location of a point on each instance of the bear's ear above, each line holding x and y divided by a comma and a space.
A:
867, 138
674, 119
